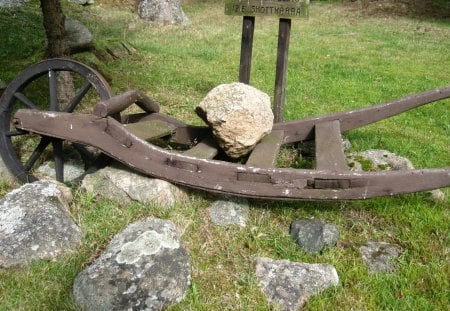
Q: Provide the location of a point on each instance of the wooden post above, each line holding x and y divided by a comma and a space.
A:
281, 70
248, 27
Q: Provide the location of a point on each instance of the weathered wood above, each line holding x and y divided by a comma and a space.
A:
329, 149
265, 152
150, 130
284, 34
304, 129
248, 27
206, 149
220, 176
280, 8
120, 102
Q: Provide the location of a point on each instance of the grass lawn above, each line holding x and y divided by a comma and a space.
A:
338, 60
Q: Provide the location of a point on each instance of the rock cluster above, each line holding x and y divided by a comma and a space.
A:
239, 116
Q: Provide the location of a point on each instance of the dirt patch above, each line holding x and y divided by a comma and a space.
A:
413, 8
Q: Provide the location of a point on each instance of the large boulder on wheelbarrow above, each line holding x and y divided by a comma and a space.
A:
239, 116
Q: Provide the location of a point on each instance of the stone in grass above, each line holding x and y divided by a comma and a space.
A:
229, 211
380, 257
314, 234
72, 170
239, 116
145, 267
12, 3
124, 186
165, 11
288, 285
378, 160
35, 223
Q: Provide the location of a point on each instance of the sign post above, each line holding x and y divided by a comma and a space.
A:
283, 9
248, 27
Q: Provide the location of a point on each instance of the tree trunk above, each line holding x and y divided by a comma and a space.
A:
54, 18
57, 46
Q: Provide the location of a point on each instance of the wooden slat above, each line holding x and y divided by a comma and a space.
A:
149, 130
329, 149
206, 149
265, 153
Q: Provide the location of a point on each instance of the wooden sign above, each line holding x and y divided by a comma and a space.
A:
279, 8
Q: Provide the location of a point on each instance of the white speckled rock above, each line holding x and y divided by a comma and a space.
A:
12, 3
239, 116
145, 267
166, 11
35, 224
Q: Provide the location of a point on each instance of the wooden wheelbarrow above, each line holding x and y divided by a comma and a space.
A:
140, 141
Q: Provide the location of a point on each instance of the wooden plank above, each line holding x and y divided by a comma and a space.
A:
284, 34
248, 27
206, 149
280, 8
149, 130
265, 153
329, 150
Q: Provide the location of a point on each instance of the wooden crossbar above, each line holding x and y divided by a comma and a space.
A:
150, 130
329, 150
206, 149
265, 153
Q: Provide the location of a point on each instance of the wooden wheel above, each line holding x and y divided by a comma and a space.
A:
38, 88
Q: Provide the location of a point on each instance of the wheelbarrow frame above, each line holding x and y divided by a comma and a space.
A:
106, 130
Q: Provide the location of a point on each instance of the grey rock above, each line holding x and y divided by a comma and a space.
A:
346, 144
380, 160
166, 11
4, 172
380, 256
124, 186
145, 267
239, 116
35, 224
78, 36
229, 211
12, 3
72, 170
289, 285
313, 234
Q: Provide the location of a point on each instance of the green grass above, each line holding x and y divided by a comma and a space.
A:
338, 60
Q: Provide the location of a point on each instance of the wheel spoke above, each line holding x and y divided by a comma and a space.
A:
45, 141
25, 100
78, 97
53, 89
59, 161
16, 133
